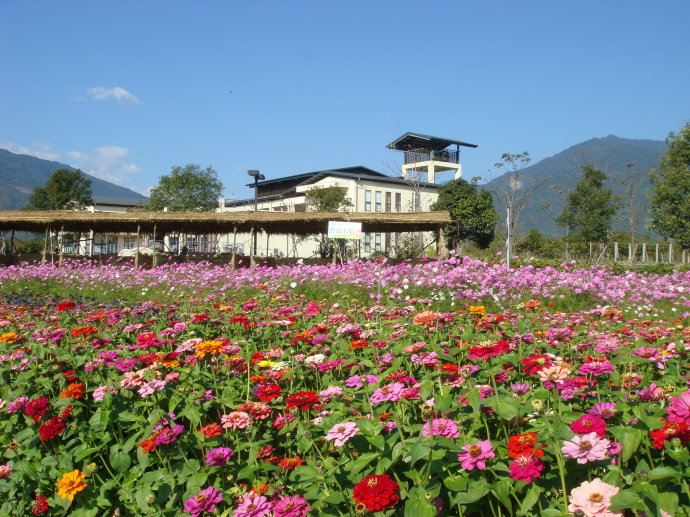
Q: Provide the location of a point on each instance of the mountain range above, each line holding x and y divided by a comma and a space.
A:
627, 163
20, 174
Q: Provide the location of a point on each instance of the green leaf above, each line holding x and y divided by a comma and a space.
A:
502, 492
663, 473
119, 459
630, 439
455, 483
476, 491
531, 497
506, 407
417, 504
626, 500
362, 461
419, 449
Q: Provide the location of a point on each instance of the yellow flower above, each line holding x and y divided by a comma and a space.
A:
208, 347
266, 364
9, 338
70, 484
477, 309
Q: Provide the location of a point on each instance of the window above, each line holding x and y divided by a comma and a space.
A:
377, 242
388, 201
398, 202
367, 242
417, 202
367, 200
378, 200
387, 242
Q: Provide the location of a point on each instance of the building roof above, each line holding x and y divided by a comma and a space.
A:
358, 170
283, 223
410, 141
120, 201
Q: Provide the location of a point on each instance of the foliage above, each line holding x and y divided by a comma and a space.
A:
327, 199
591, 206
471, 210
405, 247
65, 190
535, 243
187, 189
671, 189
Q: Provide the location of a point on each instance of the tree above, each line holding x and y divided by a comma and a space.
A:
512, 192
328, 199
472, 212
65, 190
589, 213
671, 190
188, 189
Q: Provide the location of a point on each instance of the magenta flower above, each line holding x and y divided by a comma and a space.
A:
679, 408
589, 424
526, 468
441, 427
604, 410
588, 447
341, 433
474, 455
391, 392
168, 434
219, 456
593, 499
252, 505
204, 501
291, 506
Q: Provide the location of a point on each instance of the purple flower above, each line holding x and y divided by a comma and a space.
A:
341, 433
169, 434
252, 505
204, 501
474, 455
391, 392
679, 409
604, 410
441, 427
219, 456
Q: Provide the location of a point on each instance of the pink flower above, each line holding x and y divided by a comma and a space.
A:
474, 455
219, 456
589, 424
5, 471
236, 420
252, 505
588, 447
441, 427
100, 392
341, 433
593, 499
604, 410
291, 506
679, 409
204, 501
151, 387
392, 392
526, 468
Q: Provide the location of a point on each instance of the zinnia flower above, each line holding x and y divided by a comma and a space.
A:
593, 499
5, 471
679, 408
589, 424
70, 484
378, 492
441, 427
252, 505
526, 468
204, 501
474, 455
219, 456
341, 433
586, 448
236, 420
291, 506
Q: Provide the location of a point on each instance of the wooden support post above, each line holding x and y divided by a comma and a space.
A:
656, 253
12, 243
615, 251
45, 248
267, 242
335, 251
234, 246
441, 250
630, 258
61, 240
136, 257
252, 262
670, 252
644, 252
154, 260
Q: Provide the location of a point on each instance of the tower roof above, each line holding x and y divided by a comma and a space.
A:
411, 141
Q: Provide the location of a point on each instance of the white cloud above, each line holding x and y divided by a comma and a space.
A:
109, 163
37, 149
99, 93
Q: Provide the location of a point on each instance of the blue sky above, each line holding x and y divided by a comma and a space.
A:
125, 90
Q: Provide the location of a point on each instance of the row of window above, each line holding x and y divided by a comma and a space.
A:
377, 242
378, 196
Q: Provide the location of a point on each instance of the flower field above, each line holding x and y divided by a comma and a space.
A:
440, 388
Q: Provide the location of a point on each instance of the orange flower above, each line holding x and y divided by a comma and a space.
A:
76, 390
532, 304
9, 338
208, 347
71, 483
426, 318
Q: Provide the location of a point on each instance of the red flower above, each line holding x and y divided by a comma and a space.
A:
524, 444
39, 505
211, 430
80, 331
51, 428
485, 351
36, 408
377, 493
65, 306
75, 390
589, 424
535, 363
290, 463
668, 432
302, 400
268, 392
450, 368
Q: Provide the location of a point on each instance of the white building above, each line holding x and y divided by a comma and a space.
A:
415, 190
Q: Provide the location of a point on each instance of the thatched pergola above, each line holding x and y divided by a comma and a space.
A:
280, 223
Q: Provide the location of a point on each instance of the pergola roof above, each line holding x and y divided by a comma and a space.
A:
411, 141
297, 223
